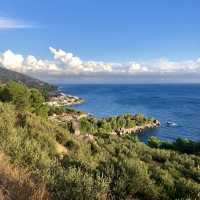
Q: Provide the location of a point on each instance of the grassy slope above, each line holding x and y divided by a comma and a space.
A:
17, 183
107, 167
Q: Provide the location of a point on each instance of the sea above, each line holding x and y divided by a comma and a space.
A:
176, 106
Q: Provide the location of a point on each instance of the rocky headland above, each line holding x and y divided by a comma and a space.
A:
138, 128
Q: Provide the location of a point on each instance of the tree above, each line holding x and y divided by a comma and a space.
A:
5, 95
37, 105
104, 126
154, 142
18, 94
24, 98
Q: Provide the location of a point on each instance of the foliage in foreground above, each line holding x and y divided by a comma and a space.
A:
17, 183
107, 167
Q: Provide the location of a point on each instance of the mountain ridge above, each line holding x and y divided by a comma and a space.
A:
9, 75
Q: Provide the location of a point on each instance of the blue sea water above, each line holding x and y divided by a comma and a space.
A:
177, 103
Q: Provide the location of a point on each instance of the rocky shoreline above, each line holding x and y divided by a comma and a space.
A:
120, 133
138, 129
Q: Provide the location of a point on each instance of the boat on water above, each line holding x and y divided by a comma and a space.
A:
171, 124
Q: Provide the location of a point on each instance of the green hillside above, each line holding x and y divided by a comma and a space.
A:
99, 166
8, 75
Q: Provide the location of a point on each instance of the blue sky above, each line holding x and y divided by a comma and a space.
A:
108, 31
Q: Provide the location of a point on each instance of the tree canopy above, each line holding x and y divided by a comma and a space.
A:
24, 98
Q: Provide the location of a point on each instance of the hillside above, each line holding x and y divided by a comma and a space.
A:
47, 159
102, 167
7, 75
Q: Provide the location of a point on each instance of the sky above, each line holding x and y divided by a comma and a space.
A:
102, 41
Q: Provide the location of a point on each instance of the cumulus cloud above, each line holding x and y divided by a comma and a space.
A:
65, 64
137, 68
10, 60
74, 65
9, 23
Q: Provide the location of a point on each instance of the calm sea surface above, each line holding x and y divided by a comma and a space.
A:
179, 104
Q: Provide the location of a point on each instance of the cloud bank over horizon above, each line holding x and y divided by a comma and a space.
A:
66, 65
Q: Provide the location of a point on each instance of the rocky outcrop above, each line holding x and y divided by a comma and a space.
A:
138, 129
67, 117
76, 127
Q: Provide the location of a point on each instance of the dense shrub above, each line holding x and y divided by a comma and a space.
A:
24, 98
62, 109
181, 145
108, 125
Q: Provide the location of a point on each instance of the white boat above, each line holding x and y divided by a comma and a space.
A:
171, 124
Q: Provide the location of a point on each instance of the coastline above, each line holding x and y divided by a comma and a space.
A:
60, 99
139, 129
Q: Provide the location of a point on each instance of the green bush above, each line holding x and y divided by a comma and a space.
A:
23, 98
111, 124
72, 145
181, 145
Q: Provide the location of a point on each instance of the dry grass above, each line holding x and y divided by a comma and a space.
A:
17, 184
61, 149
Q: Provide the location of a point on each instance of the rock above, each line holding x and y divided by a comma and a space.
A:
88, 137
156, 122
138, 129
76, 127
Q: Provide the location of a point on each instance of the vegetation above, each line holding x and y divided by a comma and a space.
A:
108, 125
17, 183
181, 145
24, 98
6, 75
66, 166
62, 109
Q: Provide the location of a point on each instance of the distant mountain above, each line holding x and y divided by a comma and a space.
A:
8, 75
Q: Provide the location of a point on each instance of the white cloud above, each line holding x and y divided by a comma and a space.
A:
9, 23
11, 60
73, 64
137, 68
65, 64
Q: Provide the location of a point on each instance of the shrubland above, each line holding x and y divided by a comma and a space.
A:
24, 98
105, 166
180, 144
18, 183
107, 125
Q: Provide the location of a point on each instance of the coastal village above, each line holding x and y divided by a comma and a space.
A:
62, 104
61, 99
